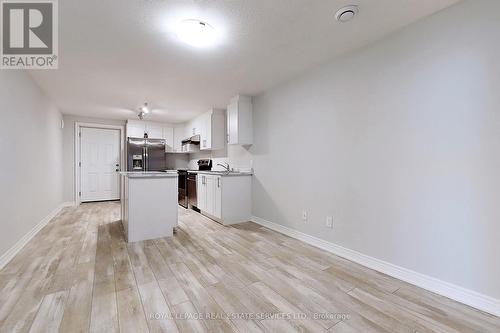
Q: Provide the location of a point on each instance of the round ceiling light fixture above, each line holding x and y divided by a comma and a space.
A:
346, 13
196, 33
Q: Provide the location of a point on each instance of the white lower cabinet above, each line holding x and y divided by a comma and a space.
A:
218, 197
210, 194
201, 192
226, 199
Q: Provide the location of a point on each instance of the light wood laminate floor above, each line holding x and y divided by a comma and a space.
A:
78, 275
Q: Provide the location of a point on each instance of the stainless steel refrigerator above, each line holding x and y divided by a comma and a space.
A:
146, 154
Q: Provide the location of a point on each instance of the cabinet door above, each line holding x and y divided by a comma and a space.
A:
155, 131
201, 192
168, 136
232, 123
206, 132
179, 135
218, 198
210, 194
135, 129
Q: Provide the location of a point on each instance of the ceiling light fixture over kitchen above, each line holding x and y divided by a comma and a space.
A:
143, 110
196, 33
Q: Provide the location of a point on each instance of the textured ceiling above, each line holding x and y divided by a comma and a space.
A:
116, 54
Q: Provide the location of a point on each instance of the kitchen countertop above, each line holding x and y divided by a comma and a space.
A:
223, 173
148, 174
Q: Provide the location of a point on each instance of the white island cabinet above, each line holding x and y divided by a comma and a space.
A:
149, 205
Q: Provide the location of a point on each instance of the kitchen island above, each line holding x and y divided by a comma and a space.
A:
148, 204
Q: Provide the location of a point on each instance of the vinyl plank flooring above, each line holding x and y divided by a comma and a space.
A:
50, 314
185, 321
78, 274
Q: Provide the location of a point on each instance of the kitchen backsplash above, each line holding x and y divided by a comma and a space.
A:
238, 157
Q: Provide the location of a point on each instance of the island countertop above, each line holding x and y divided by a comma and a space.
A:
148, 174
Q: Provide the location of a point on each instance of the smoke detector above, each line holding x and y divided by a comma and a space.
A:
346, 13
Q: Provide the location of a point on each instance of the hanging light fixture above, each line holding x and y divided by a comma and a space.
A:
143, 110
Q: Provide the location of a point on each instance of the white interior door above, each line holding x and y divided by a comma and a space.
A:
100, 158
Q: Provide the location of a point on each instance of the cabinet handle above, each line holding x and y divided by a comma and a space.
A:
227, 138
218, 182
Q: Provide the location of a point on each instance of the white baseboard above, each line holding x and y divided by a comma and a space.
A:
457, 293
11, 253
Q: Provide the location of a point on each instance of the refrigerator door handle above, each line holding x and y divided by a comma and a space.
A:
143, 158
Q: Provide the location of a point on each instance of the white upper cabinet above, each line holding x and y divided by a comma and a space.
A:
136, 128
239, 121
211, 126
154, 130
179, 135
168, 136
194, 127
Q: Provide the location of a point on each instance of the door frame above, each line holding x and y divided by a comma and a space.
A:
77, 155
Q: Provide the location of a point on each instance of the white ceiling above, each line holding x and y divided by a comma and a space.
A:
116, 54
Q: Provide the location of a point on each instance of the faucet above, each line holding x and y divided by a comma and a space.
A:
225, 166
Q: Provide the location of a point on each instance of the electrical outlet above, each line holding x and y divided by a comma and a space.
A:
329, 222
304, 216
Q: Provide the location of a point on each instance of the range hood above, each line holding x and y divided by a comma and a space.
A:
191, 145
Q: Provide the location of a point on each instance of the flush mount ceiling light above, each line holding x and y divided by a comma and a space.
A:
346, 13
196, 33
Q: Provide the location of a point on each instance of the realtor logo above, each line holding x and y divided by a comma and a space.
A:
29, 34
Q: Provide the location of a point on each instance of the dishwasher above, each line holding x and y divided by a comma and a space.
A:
192, 196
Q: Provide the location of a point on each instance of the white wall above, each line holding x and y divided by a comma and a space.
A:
69, 149
400, 141
31, 152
